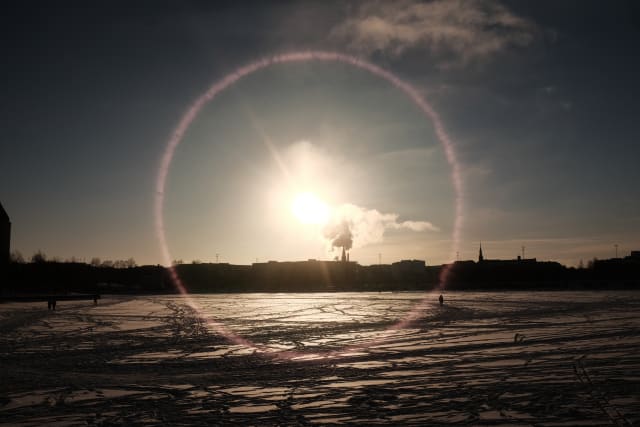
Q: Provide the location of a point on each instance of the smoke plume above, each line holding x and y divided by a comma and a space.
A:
339, 234
355, 226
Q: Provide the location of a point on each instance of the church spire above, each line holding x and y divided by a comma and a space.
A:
480, 257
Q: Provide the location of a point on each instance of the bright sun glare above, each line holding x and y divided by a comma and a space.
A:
309, 209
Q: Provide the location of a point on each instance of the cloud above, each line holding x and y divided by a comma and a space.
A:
356, 226
465, 30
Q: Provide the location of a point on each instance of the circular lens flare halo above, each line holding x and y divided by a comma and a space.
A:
293, 57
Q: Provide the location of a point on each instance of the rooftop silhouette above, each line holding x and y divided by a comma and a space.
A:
322, 276
5, 241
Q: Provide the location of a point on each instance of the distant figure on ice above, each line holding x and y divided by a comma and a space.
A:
441, 299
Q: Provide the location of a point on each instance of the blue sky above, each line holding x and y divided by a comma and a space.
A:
539, 98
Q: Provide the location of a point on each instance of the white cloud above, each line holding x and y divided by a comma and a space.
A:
366, 226
466, 30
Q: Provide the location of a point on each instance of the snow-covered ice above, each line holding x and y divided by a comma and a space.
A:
534, 358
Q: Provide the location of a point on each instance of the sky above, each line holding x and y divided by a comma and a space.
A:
538, 99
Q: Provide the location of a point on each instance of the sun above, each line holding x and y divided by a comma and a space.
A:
309, 209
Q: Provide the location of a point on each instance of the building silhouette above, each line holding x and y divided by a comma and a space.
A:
518, 259
5, 242
409, 271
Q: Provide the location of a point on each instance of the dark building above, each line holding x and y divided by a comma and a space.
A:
5, 241
304, 276
408, 266
518, 259
409, 271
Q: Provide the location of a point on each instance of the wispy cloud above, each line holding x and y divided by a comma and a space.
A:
460, 30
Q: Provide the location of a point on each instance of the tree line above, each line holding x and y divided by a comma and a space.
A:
15, 257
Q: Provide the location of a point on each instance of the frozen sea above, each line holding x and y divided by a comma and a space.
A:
508, 359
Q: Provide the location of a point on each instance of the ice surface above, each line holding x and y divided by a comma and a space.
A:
546, 358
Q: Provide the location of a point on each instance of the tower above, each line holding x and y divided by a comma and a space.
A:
344, 257
480, 257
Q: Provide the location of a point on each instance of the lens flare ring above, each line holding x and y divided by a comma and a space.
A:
294, 57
